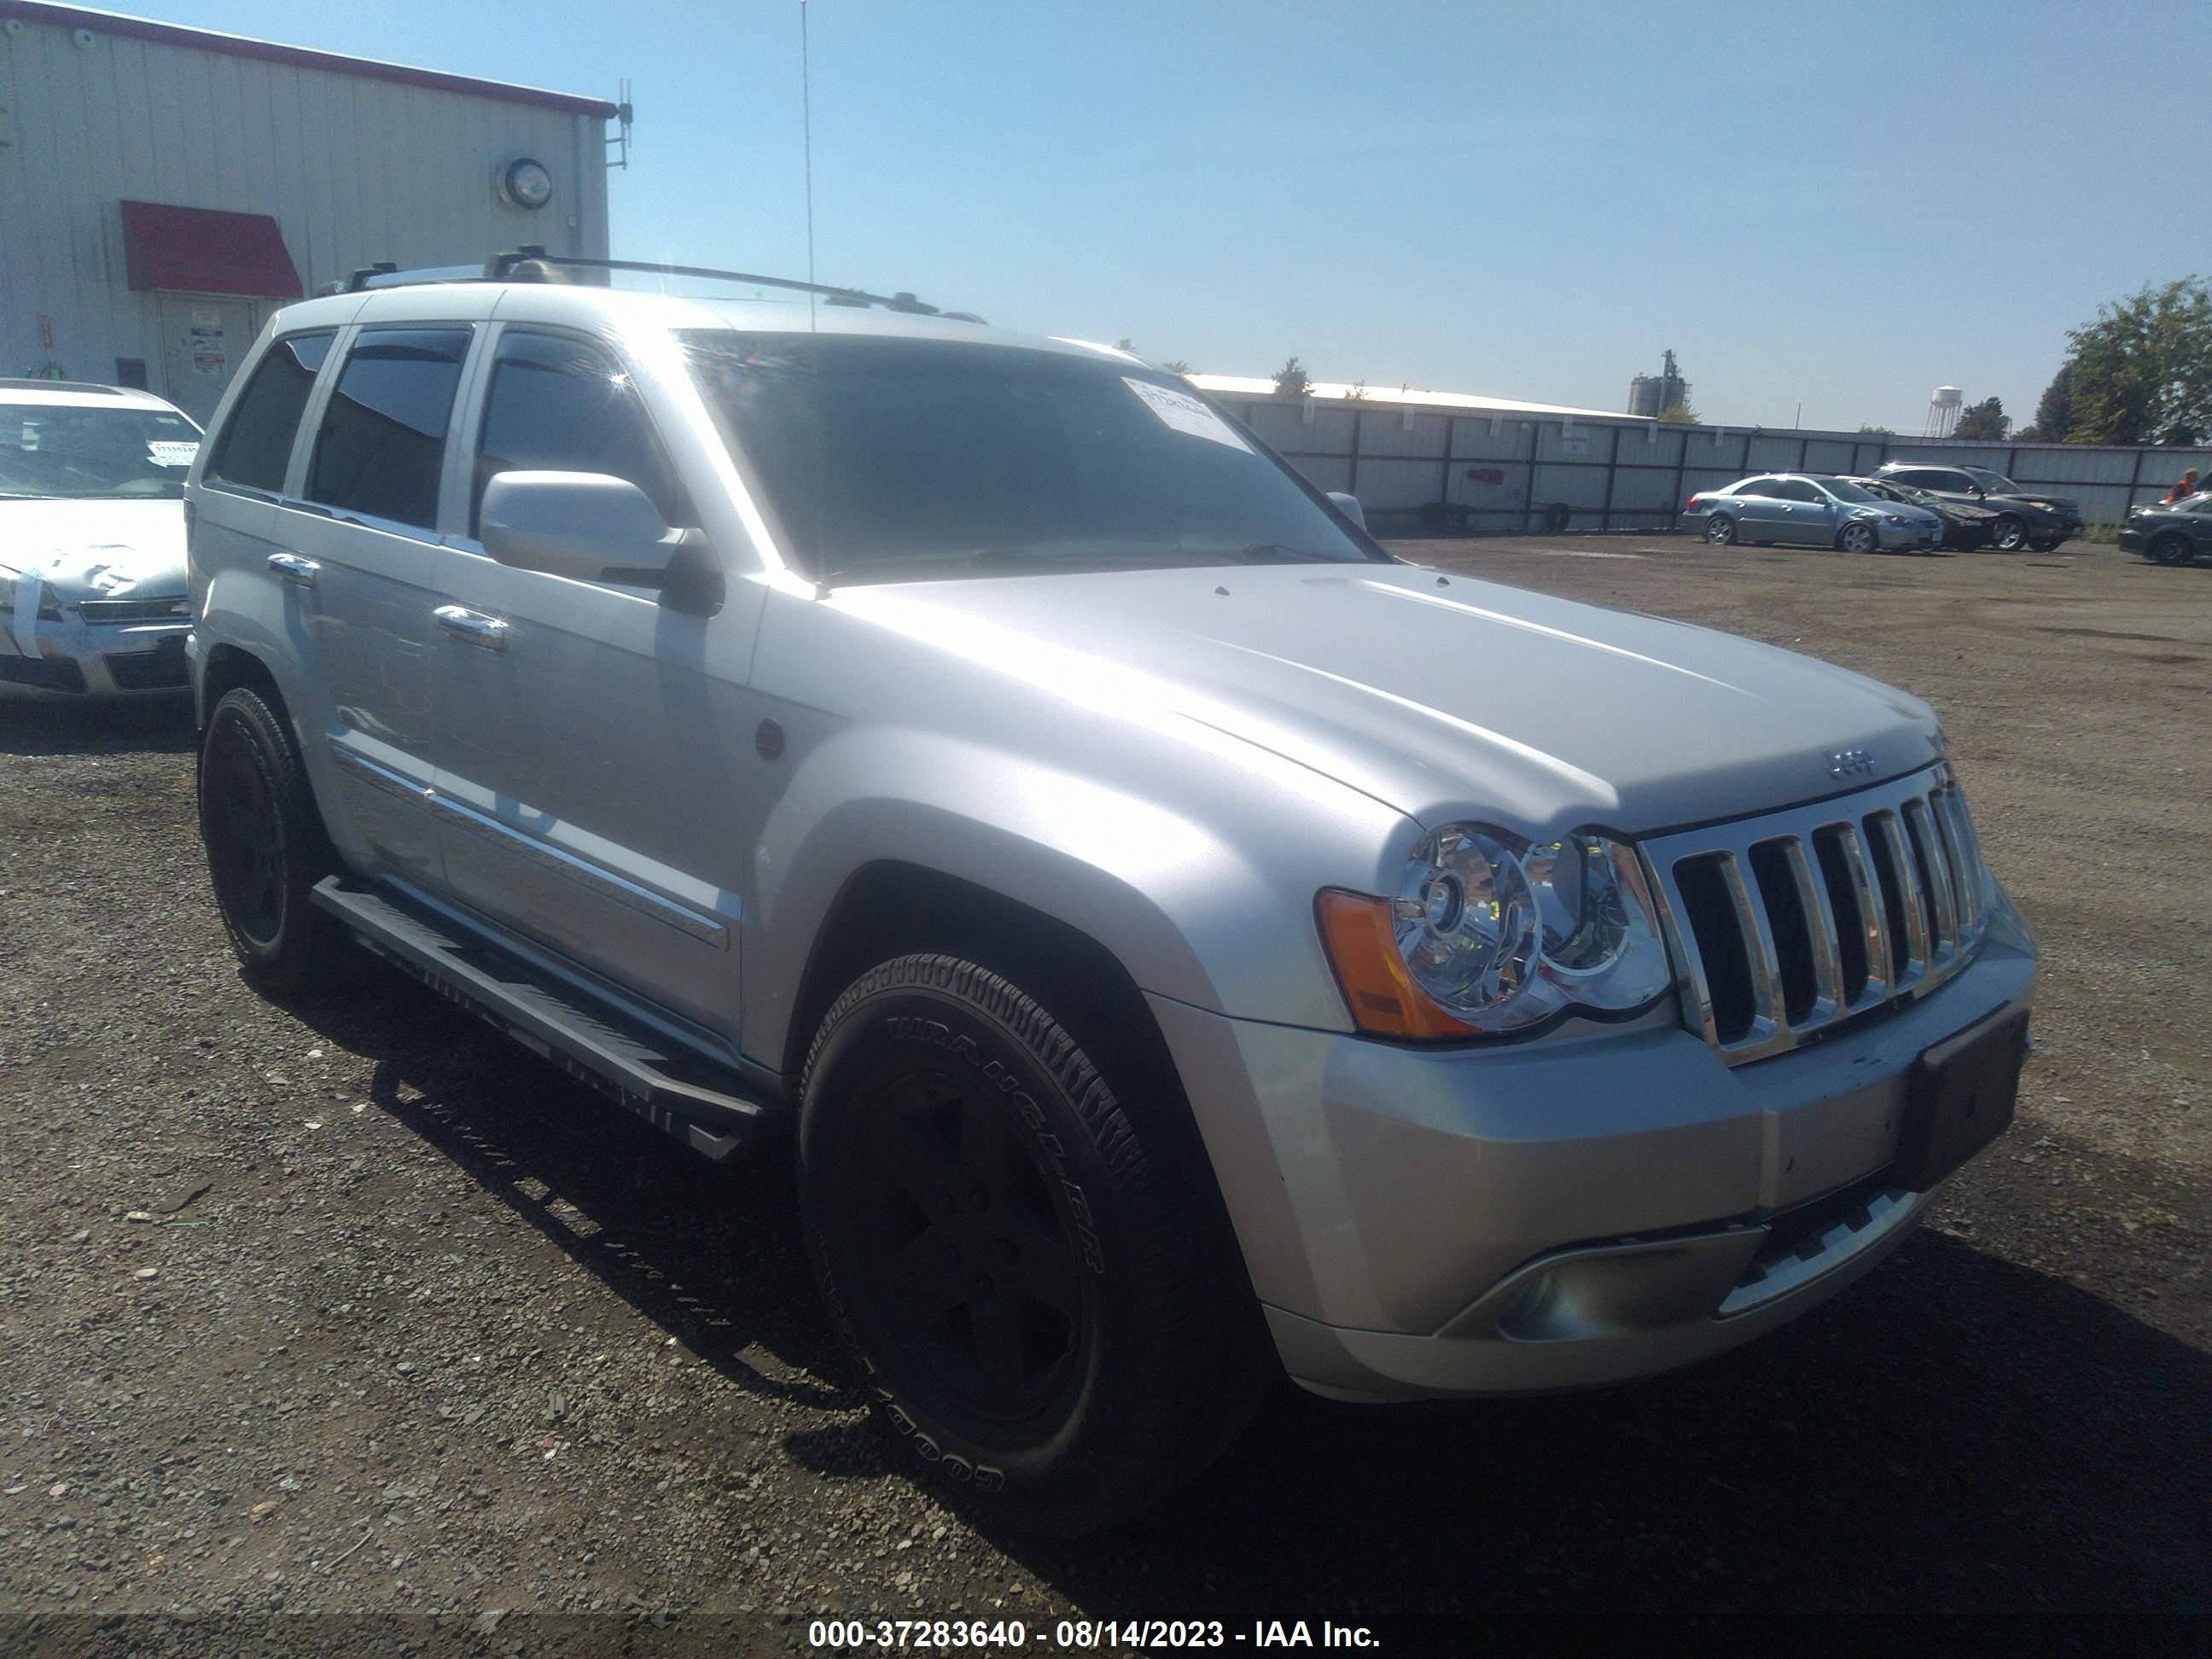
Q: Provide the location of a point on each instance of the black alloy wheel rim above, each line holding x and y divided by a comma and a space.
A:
2172, 550
964, 1271
246, 838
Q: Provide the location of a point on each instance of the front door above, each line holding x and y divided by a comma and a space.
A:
205, 337
592, 742
1809, 517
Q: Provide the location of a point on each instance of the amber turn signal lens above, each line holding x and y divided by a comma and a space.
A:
1363, 950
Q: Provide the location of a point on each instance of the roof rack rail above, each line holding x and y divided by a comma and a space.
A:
533, 264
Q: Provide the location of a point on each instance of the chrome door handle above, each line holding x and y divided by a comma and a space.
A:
475, 626
300, 573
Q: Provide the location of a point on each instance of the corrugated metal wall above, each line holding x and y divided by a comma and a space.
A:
354, 170
1515, 471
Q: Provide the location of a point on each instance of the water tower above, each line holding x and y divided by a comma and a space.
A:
1942, 412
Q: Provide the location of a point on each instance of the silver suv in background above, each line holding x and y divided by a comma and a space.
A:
1185, 943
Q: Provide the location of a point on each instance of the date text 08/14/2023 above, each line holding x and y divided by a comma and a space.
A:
1080, 1635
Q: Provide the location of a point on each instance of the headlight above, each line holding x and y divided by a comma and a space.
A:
1488, 934
1892, 517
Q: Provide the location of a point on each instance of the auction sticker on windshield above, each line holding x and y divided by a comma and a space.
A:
1185, 413
164, 451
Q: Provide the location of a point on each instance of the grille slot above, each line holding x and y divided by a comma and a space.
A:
1786, 926
130, 611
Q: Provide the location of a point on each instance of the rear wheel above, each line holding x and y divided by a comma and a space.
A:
2171, 549
1027, 1269
265, 845
2009, 534
1720, 530
1857, 537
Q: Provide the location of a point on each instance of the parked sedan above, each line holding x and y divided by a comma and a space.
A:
1965, 527
1808, 509
93, 599
2026, 517
2175, 533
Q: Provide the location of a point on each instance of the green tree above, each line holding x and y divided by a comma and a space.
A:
1294, 381
1879, 431
1985, 419
1679, 415
1359, 392
1176, 366
2143, 371
2054, 411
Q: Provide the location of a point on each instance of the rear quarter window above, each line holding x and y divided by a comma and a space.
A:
254, 447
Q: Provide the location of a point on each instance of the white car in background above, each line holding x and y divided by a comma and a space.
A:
92, 597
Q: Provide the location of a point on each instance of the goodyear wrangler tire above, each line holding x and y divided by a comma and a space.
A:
266, 847
1020, 1264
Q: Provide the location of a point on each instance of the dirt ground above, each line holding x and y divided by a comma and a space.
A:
349, 1306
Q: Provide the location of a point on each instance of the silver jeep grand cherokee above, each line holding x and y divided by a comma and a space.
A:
1188, 943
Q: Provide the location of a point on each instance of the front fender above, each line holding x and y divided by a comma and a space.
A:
1216, 915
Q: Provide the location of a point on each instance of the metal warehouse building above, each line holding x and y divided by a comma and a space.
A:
163, 189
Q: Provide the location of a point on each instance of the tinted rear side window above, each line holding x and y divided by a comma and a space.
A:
559, 405
256, 448
383, 437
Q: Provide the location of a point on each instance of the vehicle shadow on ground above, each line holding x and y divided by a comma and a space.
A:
711, 1253
163, 725
1958, 1433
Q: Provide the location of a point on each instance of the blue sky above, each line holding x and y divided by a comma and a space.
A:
1839, 205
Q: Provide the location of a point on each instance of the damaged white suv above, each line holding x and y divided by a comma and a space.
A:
1186, 942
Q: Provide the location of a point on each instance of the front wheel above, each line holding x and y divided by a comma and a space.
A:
2009, 534
2172, 550
266, 847
1720, 530
2047, 544
1030, 1270
1858, 539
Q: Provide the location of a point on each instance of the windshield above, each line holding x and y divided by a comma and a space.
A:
1849, 492
1996, 482
896, 460
60, 452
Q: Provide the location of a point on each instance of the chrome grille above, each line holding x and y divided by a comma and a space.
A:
1784, 926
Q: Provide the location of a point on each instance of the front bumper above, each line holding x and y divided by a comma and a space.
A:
1895, 536
70, 660
1596, 1205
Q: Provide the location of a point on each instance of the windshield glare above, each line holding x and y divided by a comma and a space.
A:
898, 460
65, 451
1849, 492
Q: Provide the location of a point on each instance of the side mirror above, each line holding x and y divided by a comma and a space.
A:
1349, 506
593, 527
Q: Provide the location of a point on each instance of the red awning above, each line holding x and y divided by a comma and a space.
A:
202, 250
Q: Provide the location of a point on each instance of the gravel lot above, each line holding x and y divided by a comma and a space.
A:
350, 1306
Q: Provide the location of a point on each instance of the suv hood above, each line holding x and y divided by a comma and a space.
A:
1442, 696
94, 549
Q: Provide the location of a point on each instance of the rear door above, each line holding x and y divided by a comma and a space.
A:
365, 532
1759, 514
592, 742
